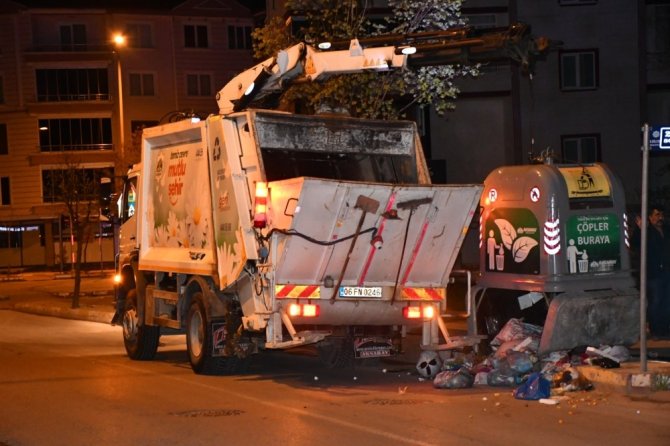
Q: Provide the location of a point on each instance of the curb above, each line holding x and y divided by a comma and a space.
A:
629, 378
81, 313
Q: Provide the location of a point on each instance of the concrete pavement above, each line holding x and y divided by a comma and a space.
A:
50, 294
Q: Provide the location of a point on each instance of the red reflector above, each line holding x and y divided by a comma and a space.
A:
304, 310
412, 312
416, 312
310, 310
260, 205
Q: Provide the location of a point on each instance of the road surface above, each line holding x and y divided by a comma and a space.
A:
66, 382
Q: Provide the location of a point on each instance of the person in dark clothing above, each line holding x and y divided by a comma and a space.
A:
658, 272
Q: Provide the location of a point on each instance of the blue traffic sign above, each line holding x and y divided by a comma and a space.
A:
659, 138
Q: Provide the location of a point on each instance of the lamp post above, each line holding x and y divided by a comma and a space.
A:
119, 42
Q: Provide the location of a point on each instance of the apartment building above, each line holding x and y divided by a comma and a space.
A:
72, 95
586, 102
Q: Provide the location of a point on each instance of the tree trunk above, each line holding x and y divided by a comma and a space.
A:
77, 267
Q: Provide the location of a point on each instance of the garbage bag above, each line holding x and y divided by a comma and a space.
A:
516, 329
520, 362
535, 388
498, 379
453, 379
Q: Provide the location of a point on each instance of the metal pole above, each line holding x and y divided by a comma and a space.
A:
643, 250
119, 77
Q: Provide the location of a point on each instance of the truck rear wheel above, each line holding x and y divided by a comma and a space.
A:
199, 343
141, 341
336, 353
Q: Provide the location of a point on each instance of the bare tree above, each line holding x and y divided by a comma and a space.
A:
79, 190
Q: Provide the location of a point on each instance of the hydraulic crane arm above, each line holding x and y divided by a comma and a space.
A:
303, 62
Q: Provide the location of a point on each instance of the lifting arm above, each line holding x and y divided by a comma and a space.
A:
303, 62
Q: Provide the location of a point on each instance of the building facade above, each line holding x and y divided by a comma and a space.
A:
586, 101
72, 97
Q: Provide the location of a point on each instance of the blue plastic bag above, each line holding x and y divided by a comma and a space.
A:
535, 388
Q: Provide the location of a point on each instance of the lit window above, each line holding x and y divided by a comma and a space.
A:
80, 84
75, 183
60, 135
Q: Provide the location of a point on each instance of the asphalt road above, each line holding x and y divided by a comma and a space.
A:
68, 382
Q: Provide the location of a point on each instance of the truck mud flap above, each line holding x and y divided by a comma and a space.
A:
594, 318
373, 347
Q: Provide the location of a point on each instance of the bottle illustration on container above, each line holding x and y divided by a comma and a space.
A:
500, 259
584, 263
491, 247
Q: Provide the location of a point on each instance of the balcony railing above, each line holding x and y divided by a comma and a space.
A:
72, 97
59, 148
71, 47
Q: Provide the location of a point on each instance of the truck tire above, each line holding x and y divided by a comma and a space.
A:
141, 341
199, 344
336, 353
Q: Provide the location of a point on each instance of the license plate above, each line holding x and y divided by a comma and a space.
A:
373, 348
360, 291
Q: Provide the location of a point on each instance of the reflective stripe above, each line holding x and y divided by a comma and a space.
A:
423, 293
298, 291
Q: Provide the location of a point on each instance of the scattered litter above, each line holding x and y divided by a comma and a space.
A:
454, 379
402, 390
515, 363
548, 401
534, 388
429, 364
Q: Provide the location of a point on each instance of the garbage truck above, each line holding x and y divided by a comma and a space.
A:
554, 251
259, 229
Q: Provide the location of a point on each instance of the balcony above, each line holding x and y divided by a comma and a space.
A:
42, 52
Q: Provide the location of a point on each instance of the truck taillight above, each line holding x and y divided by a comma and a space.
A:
426, 312
117, 278
261, 205
304, 310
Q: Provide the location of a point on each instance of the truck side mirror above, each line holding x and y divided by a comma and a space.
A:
107, 207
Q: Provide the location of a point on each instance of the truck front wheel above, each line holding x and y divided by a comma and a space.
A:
141, 341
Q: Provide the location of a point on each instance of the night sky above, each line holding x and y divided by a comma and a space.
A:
253, 5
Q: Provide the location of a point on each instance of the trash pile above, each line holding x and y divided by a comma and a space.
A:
516, 363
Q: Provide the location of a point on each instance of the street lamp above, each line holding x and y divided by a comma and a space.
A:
120, 42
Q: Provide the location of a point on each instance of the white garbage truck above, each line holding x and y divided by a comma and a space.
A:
258, 229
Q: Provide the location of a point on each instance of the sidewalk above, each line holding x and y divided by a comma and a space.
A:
50, 294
